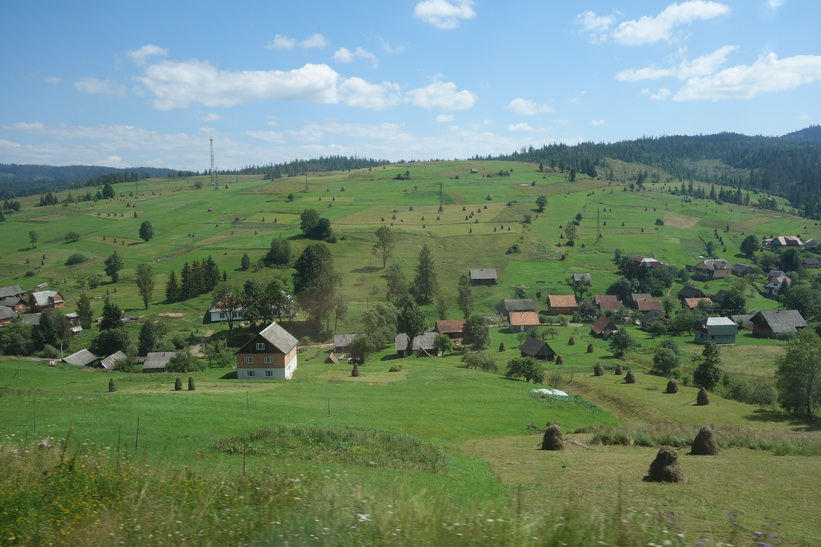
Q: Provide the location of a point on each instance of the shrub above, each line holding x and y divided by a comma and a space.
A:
76, 258
191, 386
659, 222
112, 387
178, 384
72, 237
395, 368
50, 352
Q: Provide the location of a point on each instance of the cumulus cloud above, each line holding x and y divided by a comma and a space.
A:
140, 56
100, 87
443, 14
178, 84
649, 30
345, 55
522, 127
281, 42
362, 94
527, 107
767, 74
210, 117
314, 41
700, 66
388, 48
442, 96
662, 95
445, 118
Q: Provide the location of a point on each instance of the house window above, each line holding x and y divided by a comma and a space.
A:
268, 360
260, 346
269, 373
250, 373
249, 360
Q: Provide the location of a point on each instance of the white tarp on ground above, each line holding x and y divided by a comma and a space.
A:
548, 393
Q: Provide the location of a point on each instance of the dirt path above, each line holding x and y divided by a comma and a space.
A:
198, 350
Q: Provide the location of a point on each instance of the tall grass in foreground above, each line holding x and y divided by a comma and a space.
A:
54, 495
781, 443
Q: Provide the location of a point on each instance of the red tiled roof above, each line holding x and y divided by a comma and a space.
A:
607, 301
562, 301
446, 326
524, 318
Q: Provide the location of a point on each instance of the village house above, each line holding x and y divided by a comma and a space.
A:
772, 274
270, 355
651, 317
646, 262
453, 328
693, 303
483, 276
538, 349
776, 285
7, 314
342, 341
645, 305
110, 362
740, 270
781, 242
719, 330
603, 327
607, 302
520, 320
772, 323
518, 304
83, 358
157, 361
634, 297
811, 263
17, 303
45, 300
714, 268
12, 290
561, 304
690, 292
580, 279
422, 345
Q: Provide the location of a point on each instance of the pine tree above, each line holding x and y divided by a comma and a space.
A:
172, 288
84, 311
425, 284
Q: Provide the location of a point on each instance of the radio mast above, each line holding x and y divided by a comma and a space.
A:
214, 177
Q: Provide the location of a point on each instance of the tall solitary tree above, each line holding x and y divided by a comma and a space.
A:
145, 282
385, 243
425, 284
798, 375
113, 265
315, 283
279, 254
397, 286
465, 299
33, 238
410, 320
84, 311
112, 316
708, 372
146, 231
541, 203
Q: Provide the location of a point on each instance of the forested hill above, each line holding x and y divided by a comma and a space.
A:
317, 165
23, 180
787, 166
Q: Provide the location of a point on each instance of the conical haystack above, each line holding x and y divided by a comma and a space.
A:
665, 467
672, 387
355, 371
630, 377
553, 438
619, 370
703, 398
705, 443
598, 370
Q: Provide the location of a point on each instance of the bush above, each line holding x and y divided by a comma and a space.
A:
395, 368
71, 237
76, 258
479, 360
50, 352
659, 222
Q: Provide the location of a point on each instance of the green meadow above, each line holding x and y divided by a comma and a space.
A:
429, 453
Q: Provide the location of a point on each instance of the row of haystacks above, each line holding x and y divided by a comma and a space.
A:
702, 399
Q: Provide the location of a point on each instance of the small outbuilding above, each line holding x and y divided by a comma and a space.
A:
772, 323
518, 304
83, 358
603, 327
562, 304
719, 330
538, 349
157, 361
483, 276
342, 341
453, 328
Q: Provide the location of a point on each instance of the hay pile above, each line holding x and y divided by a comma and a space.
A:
355, 371
619, 370
630, 377
598, 370
590, 348
178, 384
705, 443
672, 386
112, 387
553, 438
559, 360
703, 398
665, 467
571, 342
191, 385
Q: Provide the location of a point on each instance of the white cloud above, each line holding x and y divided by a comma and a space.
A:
598, 26
598, 122
101, 87
359, 93
662, 95
281, 42
24, 126
527, 107
522, 127
445, 118
210, 117
178, 84
52, 80
388, 48
443, 14
700, 66
768, 73
266, 136
140, 56
775, 4
649, 30
314, 41
442, 95
345, 55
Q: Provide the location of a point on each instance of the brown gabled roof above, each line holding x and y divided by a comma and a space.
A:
692, 303
524, 318
562, 301
603, 325
648, 304
450, 326
607, 301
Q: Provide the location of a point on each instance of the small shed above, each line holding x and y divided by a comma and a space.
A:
83, 358
454, 328
538, 349
580, 278
691, 292
332, 359
483, 276
110, 362
157, 361
603, 327
7, 314
342, 341
719, 330
740, 269
518, 304
648, 304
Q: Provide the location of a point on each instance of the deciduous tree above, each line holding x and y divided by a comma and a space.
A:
385, 244
113, 265
708, 372
465, 299
145, 282
146, 231
798, 375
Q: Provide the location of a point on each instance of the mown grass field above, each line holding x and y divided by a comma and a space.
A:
480, 420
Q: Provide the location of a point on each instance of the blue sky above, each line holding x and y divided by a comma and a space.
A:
147, 83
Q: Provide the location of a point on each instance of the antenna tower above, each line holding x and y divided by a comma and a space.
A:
214, 177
